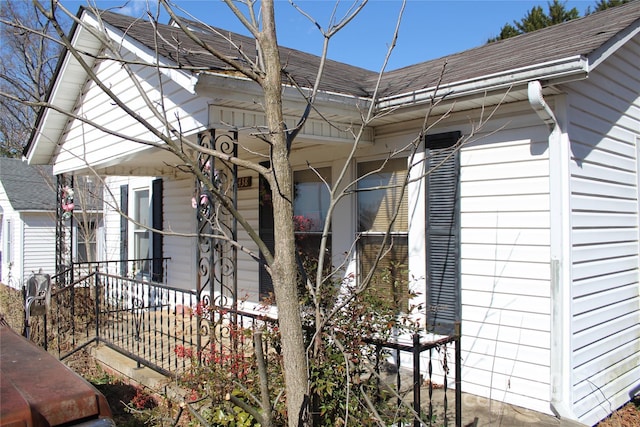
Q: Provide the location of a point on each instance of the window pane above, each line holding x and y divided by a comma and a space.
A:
310, 207
86, 246
141, 242
311, 199
141, 234
391, 273
141, 208
376, 207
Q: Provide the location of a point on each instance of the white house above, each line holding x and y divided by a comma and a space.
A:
28, 212
527, 233
28, 203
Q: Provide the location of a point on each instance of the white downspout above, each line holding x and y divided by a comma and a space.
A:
560, 256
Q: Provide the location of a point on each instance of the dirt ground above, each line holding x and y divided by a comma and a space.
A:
131, 404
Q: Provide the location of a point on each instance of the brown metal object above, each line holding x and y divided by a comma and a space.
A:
38, 390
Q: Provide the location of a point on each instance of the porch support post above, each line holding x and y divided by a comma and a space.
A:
64, 230
216, 257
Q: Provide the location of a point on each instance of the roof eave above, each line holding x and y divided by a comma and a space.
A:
51, 123
241, 89
613, 44
552, 72
32, 211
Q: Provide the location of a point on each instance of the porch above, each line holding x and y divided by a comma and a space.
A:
128, 306
155, 325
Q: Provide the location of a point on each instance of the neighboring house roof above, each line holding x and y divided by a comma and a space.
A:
28, 188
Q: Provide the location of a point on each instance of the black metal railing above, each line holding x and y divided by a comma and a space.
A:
413, 348
153, 323
133, 268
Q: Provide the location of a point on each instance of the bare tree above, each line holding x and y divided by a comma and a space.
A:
263, 65
28, 63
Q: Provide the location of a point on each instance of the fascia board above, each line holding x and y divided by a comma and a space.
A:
53, 123
613, 44
575, 67
34, 211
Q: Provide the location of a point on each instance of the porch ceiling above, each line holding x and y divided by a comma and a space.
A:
151, 161
155, 161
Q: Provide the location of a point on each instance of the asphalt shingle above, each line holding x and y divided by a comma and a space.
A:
28, 188
577, 37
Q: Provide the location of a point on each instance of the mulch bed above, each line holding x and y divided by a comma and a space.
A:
627, 416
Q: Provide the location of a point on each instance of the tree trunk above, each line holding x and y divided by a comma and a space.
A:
284, 268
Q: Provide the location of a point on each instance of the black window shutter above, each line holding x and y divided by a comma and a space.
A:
157, 272
443, 232
265, 225
124, 229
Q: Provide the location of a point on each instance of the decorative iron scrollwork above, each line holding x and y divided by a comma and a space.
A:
217, 278
64, 228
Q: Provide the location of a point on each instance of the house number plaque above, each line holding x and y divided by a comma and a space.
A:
244, 182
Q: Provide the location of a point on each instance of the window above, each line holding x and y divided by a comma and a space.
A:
86, 244
380, 196
141, 233
310, 206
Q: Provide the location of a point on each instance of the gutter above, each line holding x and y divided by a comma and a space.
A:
562, 70
561, 401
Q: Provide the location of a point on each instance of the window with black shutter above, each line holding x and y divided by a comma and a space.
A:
265, 227
310, 207
442, 232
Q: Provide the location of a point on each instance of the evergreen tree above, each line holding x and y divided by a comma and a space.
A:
537, 19
605, 4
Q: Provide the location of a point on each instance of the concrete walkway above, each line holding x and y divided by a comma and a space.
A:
480, 412
476, 411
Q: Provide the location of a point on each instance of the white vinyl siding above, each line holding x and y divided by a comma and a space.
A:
604, 129
87, 144
248, 267
112, 220
180, 218
505, 253
39, 243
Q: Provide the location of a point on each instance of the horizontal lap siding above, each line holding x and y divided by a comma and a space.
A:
85, 143
180, 219
10, 218
247, 267
604, 129
505, 266
112, 220
39, 243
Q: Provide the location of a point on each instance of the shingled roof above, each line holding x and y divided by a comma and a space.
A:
28, 188
579, 37
173, 44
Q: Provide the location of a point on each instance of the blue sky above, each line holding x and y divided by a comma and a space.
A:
429, 28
